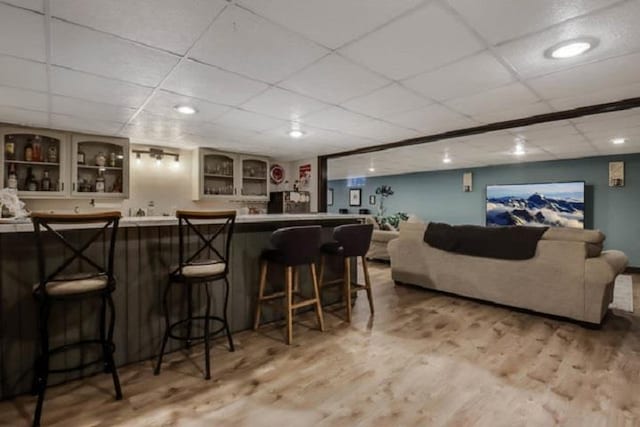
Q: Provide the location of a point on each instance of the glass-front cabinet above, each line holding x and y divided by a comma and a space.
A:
33, 162
100, 167
230, 176
254, 177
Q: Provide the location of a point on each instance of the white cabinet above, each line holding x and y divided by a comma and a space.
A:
46, 164
100, 167
229, 176
35, 161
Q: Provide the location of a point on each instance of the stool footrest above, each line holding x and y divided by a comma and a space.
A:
199, 337
331, 283
304, 303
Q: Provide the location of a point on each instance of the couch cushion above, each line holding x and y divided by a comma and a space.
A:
574, 235
384, 236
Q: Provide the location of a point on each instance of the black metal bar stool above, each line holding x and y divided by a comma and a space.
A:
292, 247
54, 286
350, 241
202, 267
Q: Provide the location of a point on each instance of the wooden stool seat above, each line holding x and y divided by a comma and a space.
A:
292, 247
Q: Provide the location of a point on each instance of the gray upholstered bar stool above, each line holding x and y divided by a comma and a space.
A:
350, 241
206, 265
293, 247
96, 281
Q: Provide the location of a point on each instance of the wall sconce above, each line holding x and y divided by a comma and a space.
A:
156, 153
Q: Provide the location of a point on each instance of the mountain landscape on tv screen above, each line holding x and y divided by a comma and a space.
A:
553, 205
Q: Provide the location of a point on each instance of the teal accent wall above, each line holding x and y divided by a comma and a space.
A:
438, 196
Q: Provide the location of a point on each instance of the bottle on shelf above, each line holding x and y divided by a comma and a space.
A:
12, 180
52, 153
81, 157
10, 148
28, 151
100, 182
112, 159
45, 184
37, 149
31, 184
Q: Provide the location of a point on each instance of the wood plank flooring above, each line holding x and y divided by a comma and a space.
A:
424, 359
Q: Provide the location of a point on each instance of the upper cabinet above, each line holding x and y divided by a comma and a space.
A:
33, 162
44, 164
219, 175
100, 167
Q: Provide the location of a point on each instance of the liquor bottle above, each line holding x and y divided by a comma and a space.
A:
81, 157
45, 184
100, 183
112, 159
31, 183
52, 153
28, 151
12, 180
10, 148
37, 149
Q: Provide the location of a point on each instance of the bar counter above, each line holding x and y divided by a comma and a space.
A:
146, 250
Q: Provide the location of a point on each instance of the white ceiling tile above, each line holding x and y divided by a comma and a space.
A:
151, 126
465, 77
20, 98
588, 78
499, 20
431, 119
598, 97
338, 119
613, 150
81, 85
83, 124
616, 29
515, 112
330, 22
210, 83
248, 121
98, 53
283, 104
333, 79
268, 52
583, 148
384, 132
22, 33
23, 117
388, 100
421, 41
315, 137
91, 110
163, 103
165, 24
23, 74
541, 133
609, 122
502, 98
37, 5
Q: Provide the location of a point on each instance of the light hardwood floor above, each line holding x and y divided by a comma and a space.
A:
425, 359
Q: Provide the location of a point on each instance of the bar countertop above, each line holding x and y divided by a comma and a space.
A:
24, 224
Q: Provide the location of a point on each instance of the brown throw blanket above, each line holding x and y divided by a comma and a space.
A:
513, 243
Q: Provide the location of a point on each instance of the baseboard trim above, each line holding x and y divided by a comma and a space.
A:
632, 270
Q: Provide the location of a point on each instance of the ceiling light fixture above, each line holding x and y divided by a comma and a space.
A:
372, 169
446, 159
571, 48
618, 141
185, 109
519, 151
296, 133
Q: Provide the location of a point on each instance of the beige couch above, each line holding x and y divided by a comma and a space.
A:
570, 275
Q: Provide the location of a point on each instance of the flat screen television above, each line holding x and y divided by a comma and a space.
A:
558, 204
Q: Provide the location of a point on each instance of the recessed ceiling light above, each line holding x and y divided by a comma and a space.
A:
519, 151
296, 133
185, 109
372, 169
571, 48
618, 141
446, 159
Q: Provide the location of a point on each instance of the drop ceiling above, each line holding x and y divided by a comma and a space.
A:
352, 73
587, 136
